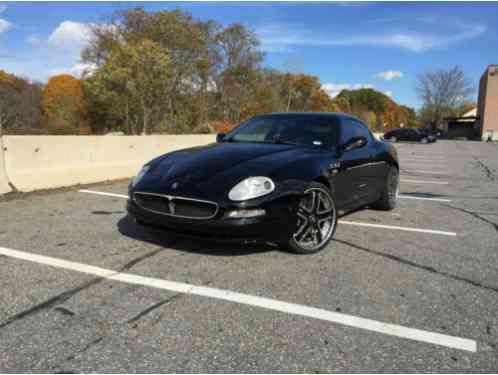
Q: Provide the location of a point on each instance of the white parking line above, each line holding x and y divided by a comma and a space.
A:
431, 164
425, 162
424, 182
404, 196
422, 171
103, 193
406, 229
251, 300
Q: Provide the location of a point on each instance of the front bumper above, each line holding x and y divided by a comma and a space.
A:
276, 225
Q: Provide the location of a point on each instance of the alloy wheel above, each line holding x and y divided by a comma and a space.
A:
316, 219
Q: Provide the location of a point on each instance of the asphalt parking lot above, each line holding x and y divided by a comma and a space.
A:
84, 289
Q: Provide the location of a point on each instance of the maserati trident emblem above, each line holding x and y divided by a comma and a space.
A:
172, 207
174, 185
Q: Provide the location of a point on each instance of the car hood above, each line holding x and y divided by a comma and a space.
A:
208, 171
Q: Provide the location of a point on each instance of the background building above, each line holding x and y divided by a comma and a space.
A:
487, 105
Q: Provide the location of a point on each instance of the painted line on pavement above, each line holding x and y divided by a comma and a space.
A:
421, 171
404, 196
406, 229
103, 193
425, 164
424, 182
251, 300
416, 160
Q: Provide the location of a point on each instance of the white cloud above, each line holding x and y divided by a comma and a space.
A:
69, 35
81, 69
77, 70
389, 75
389, 93
333, 89
4, 25
34, 40
281, 38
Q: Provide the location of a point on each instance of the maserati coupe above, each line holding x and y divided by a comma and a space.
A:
281, 178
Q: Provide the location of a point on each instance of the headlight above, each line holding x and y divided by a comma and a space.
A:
140, 175
251, 187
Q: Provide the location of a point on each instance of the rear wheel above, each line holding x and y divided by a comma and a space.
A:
424, 140
316, 220
390, 191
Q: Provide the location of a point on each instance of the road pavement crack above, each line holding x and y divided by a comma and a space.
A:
87, 347
135, 261
474, 214
47, 304
489, 174
64, 296
421, 266
153, 307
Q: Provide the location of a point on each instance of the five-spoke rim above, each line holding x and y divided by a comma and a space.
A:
316, 219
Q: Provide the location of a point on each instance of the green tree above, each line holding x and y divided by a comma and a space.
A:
133, 83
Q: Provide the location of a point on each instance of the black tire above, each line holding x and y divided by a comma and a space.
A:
424, 140
320, 226
389, 195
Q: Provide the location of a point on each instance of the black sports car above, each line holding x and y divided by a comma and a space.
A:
410, 135
281, 178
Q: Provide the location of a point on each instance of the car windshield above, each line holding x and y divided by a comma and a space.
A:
305, 130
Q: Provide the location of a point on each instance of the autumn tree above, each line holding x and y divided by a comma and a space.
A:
239, 63
64, 106
20, 103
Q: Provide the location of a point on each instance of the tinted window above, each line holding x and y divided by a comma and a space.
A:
351, 128
307, 130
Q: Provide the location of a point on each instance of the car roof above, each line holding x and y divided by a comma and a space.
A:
322, 114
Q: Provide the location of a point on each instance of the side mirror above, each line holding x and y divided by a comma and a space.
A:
354, 143
220, 137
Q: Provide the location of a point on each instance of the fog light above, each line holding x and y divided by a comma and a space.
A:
237, 214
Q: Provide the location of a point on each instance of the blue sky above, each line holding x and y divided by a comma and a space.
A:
347, 45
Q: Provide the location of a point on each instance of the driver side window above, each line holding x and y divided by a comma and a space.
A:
351, 128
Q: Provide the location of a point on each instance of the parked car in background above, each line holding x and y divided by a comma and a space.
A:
410, 135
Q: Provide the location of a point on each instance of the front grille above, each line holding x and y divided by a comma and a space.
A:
176, 206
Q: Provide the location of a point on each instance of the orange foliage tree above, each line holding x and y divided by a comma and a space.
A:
64, 106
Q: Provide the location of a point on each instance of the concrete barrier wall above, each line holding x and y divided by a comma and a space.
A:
4, 181
46, 162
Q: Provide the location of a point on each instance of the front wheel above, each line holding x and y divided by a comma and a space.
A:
424, 140
390, 191
316, 220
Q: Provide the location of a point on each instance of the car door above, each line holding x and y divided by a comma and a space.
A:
403, 135
413, 135
352, 180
